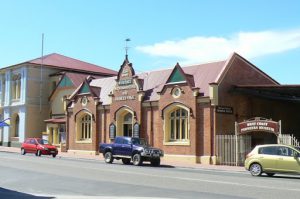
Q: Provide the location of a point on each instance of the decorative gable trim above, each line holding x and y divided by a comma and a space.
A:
65, 82
178, 76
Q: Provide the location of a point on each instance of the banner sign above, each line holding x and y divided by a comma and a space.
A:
258, 125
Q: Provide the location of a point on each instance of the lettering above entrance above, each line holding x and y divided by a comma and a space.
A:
258, 124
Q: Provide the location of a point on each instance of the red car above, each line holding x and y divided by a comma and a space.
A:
38, 146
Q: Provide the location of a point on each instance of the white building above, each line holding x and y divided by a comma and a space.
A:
25, 89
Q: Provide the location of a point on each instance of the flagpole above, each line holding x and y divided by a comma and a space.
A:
41, 83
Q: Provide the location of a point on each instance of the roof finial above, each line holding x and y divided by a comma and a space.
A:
126, 47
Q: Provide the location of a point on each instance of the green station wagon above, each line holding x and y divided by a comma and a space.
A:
273, 158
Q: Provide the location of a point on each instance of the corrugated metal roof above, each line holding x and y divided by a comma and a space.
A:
107, 85
203, 74
60, 61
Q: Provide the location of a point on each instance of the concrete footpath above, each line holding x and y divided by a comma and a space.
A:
163, 161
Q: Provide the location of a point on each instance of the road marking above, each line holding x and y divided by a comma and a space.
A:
172, 177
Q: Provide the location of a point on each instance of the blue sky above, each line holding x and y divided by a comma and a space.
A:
162, 32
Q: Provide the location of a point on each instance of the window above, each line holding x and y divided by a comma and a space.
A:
268, 150
178, 126
85, 127
16, 87
176, 92
17, 122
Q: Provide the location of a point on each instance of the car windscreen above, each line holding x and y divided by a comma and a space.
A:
42, 141
138, 141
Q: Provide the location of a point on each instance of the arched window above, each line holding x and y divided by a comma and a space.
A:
17, 123
85, 127
178, 125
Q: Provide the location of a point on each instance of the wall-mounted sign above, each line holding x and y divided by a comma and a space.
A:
124, 98
124, 82
125, 73
224, 109
112, 131
136, 130
258, 125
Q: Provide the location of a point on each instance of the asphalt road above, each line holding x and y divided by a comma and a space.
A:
46, 177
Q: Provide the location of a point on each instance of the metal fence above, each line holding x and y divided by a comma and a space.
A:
288, 139
231, 149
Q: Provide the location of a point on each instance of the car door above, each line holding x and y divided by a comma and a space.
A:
30, 146
267, 158
117, 146
126, 147
286, 161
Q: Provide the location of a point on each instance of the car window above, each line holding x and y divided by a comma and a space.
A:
27, 141
285, 151
32, 141
118, 140
270, 150
125, 141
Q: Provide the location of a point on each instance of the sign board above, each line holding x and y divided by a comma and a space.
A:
258, 125
224, 109
112, 131
136, 130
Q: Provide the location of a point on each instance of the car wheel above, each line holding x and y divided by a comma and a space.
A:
38, 153
137, 160
126, 161
54, 155
270, 174
108, 157
255, 169
23, 152
155, 162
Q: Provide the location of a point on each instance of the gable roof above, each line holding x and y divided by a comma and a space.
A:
154, 81
75, 78
198, 76
58, 61
229, 62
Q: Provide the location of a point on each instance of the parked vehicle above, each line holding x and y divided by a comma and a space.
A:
273, 158
39, 147
129, 148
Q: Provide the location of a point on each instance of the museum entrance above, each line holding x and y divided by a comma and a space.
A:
260, 137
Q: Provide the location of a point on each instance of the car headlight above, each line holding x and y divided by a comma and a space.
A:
146, 150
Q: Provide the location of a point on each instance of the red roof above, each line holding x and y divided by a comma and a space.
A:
55, 60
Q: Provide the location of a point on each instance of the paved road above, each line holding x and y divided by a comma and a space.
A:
46, 177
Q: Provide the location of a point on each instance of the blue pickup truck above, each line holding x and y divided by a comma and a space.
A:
129, 148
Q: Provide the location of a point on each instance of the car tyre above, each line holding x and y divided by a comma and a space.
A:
137, 159
108, 157
38, 153
126, 161
53, 155
255, 169
23, 152
270, 174
155, 162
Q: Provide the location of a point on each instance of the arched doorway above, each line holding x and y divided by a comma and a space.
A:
124, 122
127, 124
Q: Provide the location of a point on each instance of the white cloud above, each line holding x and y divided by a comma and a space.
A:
248, 44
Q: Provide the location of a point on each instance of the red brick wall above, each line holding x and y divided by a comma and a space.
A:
240, 73
188, 100
72, 126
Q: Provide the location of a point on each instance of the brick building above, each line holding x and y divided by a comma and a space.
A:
180, 110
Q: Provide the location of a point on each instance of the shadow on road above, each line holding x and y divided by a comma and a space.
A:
282, 177
6, 193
